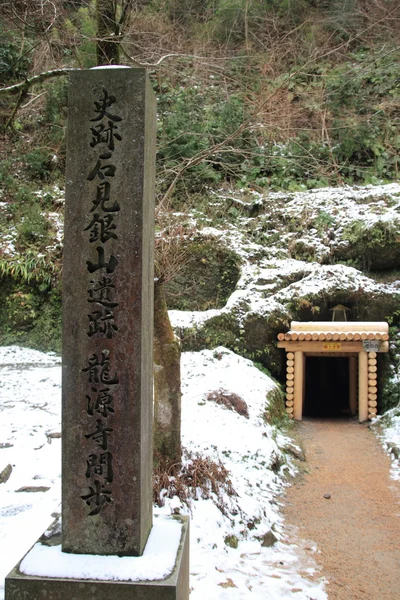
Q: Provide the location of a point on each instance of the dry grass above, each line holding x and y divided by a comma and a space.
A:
230, 401
171, 251
199, 477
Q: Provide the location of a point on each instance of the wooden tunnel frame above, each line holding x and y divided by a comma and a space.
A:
359, 341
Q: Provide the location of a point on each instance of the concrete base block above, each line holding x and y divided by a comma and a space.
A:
19, 586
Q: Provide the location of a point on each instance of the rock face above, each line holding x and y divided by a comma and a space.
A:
371, 246
291, 254
207, 277
32, 489
269, 539
5, 474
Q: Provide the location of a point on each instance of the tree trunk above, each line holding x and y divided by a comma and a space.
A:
167, 384
107, 48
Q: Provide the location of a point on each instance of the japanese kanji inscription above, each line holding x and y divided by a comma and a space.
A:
108, 313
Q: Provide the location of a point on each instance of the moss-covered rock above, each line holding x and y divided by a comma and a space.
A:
259, 339
207, 278
312, 298
167, 385
370, 246
220, 330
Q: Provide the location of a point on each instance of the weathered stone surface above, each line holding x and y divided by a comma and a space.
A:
268, 539
5, 474
295, 451
175, 587
33, 489
54, 435
393, 449
108, 313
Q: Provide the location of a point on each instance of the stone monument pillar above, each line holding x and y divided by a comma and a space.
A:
108, 313
107, 387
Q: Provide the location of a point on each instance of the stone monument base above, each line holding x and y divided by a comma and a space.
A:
19, 586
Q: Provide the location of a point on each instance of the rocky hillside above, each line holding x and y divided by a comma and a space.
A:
298, 254
250, 263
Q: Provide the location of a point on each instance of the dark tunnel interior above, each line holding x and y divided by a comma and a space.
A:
326, 387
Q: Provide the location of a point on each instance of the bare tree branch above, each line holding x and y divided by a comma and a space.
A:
23, 86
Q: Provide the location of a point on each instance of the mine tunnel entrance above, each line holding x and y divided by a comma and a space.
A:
332, 368
327, 387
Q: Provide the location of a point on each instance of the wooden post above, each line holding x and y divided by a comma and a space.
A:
372, 385
353, 384
289, 384
362, 386
298, 385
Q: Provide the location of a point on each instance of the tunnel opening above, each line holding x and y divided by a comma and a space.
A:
326, 391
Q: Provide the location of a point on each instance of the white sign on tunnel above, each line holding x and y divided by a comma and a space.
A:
372, 345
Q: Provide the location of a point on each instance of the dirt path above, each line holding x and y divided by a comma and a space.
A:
357, 530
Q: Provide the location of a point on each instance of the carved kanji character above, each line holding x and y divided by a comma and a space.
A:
102, 403
102, 105
100, 435
102, 171
103, 197
101, 228
101, 293
98, 497
110, 266
99, 369
102, 322
100, 465
105, 135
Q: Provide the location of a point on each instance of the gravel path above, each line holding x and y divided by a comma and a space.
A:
357, 528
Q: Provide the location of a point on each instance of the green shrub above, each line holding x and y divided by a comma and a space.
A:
56, 102
29, 315
389, 389
22, 309
361, 96
374, 246
231, 541
13, 65
191, 122
31, 267
33, 227
234, 18
38, 163
82, 25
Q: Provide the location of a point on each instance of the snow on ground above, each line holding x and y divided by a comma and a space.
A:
387, 427
30, 384
29, 441
157, 561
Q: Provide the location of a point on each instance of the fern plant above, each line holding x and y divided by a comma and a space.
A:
30, 268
